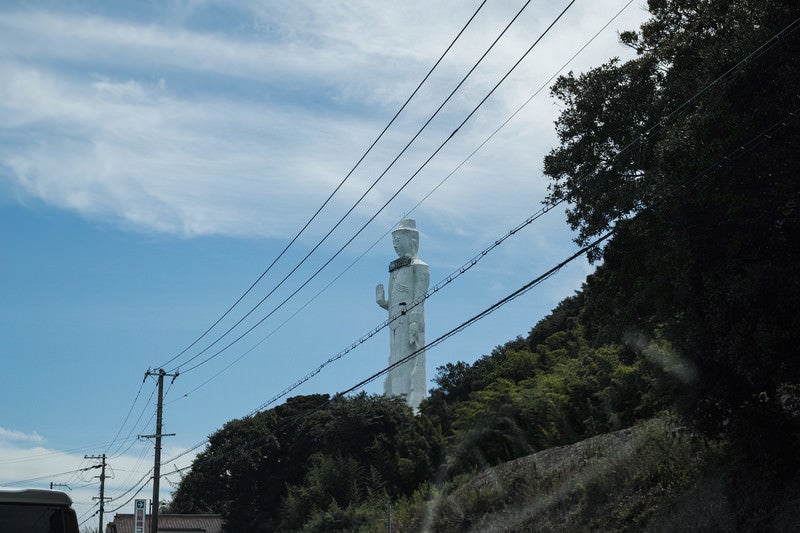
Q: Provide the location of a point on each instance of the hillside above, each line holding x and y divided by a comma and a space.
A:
655, 476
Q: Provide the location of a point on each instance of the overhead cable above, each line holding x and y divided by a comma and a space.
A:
135, 494
339, 186
423, 199
127, 416
768, 134
430, 292
127, 438
47, 476
375, 215
347, 213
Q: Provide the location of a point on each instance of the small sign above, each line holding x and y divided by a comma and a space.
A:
139, 516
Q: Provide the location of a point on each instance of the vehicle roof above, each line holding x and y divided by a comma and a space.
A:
35, 496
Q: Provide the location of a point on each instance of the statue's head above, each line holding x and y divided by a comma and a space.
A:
406, 238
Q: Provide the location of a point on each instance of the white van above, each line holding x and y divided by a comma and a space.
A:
36, 511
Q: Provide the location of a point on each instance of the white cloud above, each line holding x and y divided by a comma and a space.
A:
125, 150
109, 42
108, 118
12, 435
25, 466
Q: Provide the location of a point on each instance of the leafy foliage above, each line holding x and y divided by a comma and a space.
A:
713, 267
274, 468
522, 400
706, 267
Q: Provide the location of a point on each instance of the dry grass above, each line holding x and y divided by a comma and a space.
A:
631, 480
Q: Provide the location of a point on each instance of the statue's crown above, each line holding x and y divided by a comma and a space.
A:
407, 224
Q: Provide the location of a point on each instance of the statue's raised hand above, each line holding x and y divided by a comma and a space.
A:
380, 296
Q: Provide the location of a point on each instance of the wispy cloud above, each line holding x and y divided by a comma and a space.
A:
129, 150
169, 128
12, 435
108, 42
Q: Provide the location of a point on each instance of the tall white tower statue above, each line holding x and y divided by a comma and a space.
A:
409, 278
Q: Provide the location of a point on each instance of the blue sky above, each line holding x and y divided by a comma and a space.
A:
155, 157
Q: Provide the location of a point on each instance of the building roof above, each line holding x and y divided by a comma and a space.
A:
35, 496
196, 523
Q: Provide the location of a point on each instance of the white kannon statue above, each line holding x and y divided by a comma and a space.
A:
409, 278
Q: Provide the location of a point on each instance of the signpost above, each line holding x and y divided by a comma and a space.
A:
138, 516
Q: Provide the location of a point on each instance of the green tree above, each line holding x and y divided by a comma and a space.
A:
710, 263
517, 400
243, 472
267, 471
337, 481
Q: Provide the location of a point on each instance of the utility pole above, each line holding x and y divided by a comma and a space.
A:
59, 485
102, 485
157, 464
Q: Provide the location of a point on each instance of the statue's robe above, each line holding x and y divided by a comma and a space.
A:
408, 281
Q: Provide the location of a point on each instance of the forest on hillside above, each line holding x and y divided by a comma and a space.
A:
684, 161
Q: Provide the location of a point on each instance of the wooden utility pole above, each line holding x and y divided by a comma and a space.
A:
102, 485
157, 463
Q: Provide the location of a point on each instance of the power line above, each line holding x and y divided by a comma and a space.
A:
375, 215
437, 341
127, 416
134, 440
765, 135
339, 186
754, 54
435, 188
433, 290
516, 112
347, 213
438, 286
117, 452
760, 50
249, 289
721, 162
486, 312
87, 511
89, 518
39, 478
145, 478
129, 500
662, 123
135, 471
